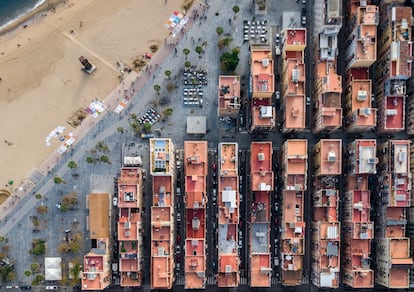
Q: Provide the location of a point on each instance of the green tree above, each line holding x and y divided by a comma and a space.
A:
35, 267
168, 73
58, 180
38, 196
168, 111
136, 127
90, 159
157, 88
104, 158
75, 270
187, 64
229, 61
199, 50
236, 9
219, 30
186, 52
38, 247
120, 130
72, 164
101, 146
146, 128
27, 273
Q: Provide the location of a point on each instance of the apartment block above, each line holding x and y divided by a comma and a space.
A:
97, 262
327, 98
361, 43
410, 107
229, 96
358, 234
130, 190
360, 115
393, 259
326, 229
294, 80
228, 216
262, 185
195, 200
394, 66
295, 166
362, 157
261, 88
162, 162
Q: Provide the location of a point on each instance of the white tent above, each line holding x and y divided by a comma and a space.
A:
53, 269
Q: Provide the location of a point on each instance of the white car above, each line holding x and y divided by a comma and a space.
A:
308, 100
115, 201
51, 287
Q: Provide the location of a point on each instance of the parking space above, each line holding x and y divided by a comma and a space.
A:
151, 116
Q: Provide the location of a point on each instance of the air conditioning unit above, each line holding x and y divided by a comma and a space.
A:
362, 95
127, 224
372, 160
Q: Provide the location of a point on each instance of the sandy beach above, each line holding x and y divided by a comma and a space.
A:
42, 84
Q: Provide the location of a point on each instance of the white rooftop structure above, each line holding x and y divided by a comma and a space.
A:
53, 269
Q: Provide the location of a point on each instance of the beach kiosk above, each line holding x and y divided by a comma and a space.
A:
87, 66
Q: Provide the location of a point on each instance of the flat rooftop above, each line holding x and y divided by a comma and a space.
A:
330, 156
160, 155
295, 36
195, 156
361, 102
162, 195
368, 18
296, 76
129, 188
98, 219
295, 112
195, 224
228, 200
259, 270
394, 112
229, 92
259, 238
400, 160
195, 264
296, 156
228, 158
366, 153
261, 166
262, 70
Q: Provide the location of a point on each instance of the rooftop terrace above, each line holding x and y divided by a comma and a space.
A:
329, 157
394, 112
262, 70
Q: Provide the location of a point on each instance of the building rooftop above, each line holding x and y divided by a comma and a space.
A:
262, 70
161, 160
294, 76
295, 39
98, 220
263, 113
293, 222
229, 95
394, 112
329, 157
195, 167
261, 166
361, 103
295, 112
400, 156
130, 187
296, 156
162, 191
367, 19
161, 274
228, 259
333, 12
361, 206
96, 268
363, 156
195, 264
260, 270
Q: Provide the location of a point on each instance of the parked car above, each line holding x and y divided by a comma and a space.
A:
303, 16
277, 94
115, 201
308, 100
177, 249
51, 287
178, 217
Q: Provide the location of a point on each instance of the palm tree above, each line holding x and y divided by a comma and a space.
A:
199, 50
168, 73
236, 9
186, 52
57, 180
219, 30
187, 64
157, 88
